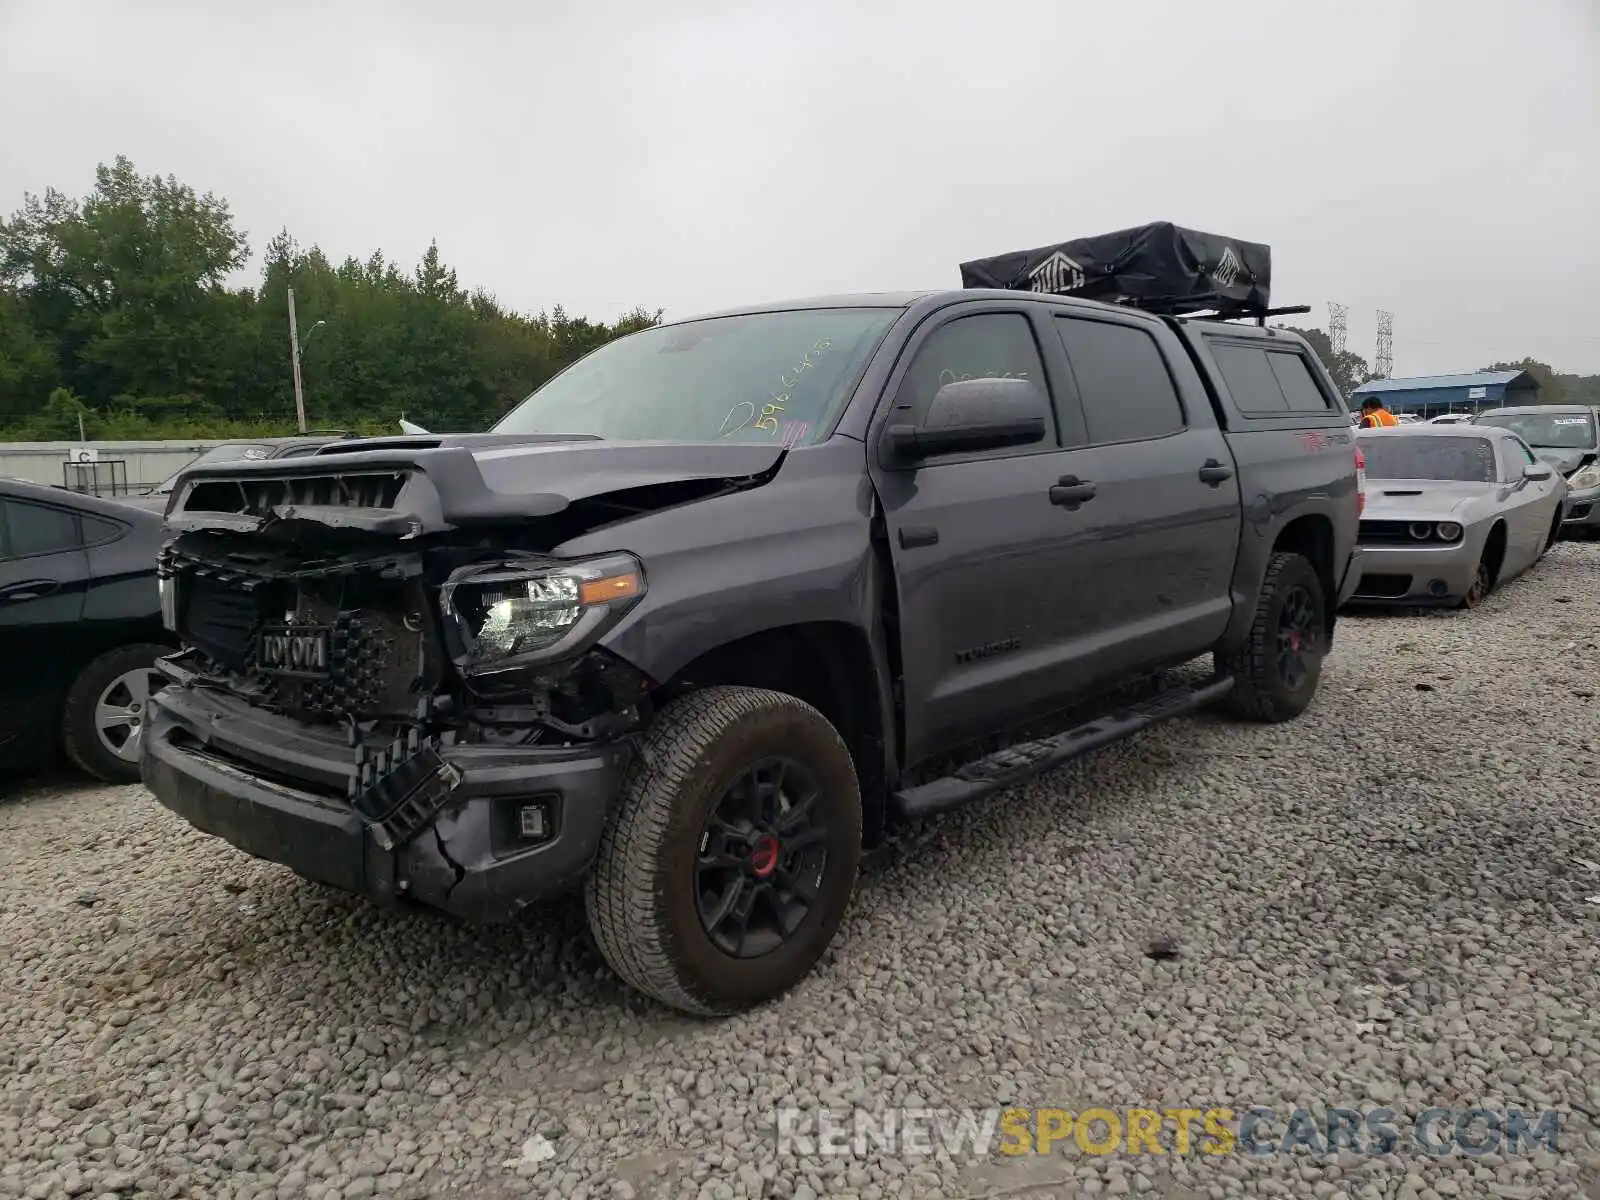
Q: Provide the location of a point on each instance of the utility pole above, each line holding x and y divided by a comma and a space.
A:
294, 357
1383, 361
1337, 325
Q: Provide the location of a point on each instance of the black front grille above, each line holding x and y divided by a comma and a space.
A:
220, 619
1384, 586
259, 495
1580, 511
382, 651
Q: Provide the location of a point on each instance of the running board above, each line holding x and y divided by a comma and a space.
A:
1017, 763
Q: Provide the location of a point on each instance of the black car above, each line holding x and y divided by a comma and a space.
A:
80, 628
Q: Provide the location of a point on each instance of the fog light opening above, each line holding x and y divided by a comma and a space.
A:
1438, 588
533, 822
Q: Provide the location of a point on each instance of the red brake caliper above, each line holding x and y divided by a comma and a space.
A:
764, 856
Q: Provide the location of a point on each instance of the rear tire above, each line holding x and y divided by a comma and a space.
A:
671, 838
1276, 671
107, 709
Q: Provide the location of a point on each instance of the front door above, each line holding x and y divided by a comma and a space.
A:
987, 564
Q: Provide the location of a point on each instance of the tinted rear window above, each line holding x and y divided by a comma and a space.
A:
1419, 456
1268, 381
97, 530
1294, 377
38, 529
1250, 378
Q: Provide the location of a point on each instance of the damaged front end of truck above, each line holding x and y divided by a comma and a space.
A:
391, 682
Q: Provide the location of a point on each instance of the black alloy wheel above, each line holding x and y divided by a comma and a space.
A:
762, 857
727, 864
1297, 637
1277, 667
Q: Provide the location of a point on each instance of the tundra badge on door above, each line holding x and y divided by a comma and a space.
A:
988, 651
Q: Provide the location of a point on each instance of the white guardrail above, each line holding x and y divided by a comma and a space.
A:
101, 467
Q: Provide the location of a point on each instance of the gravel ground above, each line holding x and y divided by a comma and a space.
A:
1386, 902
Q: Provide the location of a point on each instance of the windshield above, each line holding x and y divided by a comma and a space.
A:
763, 377
1564, 431
1420, 456
229, 453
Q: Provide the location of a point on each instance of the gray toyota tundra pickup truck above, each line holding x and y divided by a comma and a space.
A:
714, 607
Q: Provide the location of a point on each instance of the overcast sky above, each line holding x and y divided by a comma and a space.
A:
1438, 159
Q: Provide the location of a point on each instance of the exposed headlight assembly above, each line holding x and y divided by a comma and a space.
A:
508, 615
167, 591
1585, 479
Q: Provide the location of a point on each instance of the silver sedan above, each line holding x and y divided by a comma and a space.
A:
1567, 436
1452, 512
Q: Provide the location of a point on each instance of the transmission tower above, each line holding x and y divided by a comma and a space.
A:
1336, 325
1383, 362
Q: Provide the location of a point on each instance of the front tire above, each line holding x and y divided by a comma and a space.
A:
728, 864
1276, 671
107, 709
1482, 584
1555, 533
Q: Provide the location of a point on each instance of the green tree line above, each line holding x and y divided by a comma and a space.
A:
120, 315
120, 310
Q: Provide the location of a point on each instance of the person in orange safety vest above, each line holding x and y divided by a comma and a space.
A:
1374, 415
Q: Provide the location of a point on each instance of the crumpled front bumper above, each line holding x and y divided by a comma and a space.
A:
275, 788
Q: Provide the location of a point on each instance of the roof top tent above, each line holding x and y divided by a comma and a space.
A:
1160, 268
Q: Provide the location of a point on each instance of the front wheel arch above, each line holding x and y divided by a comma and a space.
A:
1486, 573
1554, 535
1494, 551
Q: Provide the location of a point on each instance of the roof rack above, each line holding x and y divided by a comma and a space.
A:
1158, 268
1240, 313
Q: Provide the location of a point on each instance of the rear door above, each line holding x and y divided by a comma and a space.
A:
993, 575
1167, 511
43, 577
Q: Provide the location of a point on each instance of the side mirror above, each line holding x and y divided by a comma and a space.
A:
1538, 472
969, 415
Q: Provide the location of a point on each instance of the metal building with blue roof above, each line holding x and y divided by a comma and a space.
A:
1430, 395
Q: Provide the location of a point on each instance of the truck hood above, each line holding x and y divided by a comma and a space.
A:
414, 485
1423, 499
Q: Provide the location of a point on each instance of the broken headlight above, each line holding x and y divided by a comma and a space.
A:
508, 615
1585, 478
